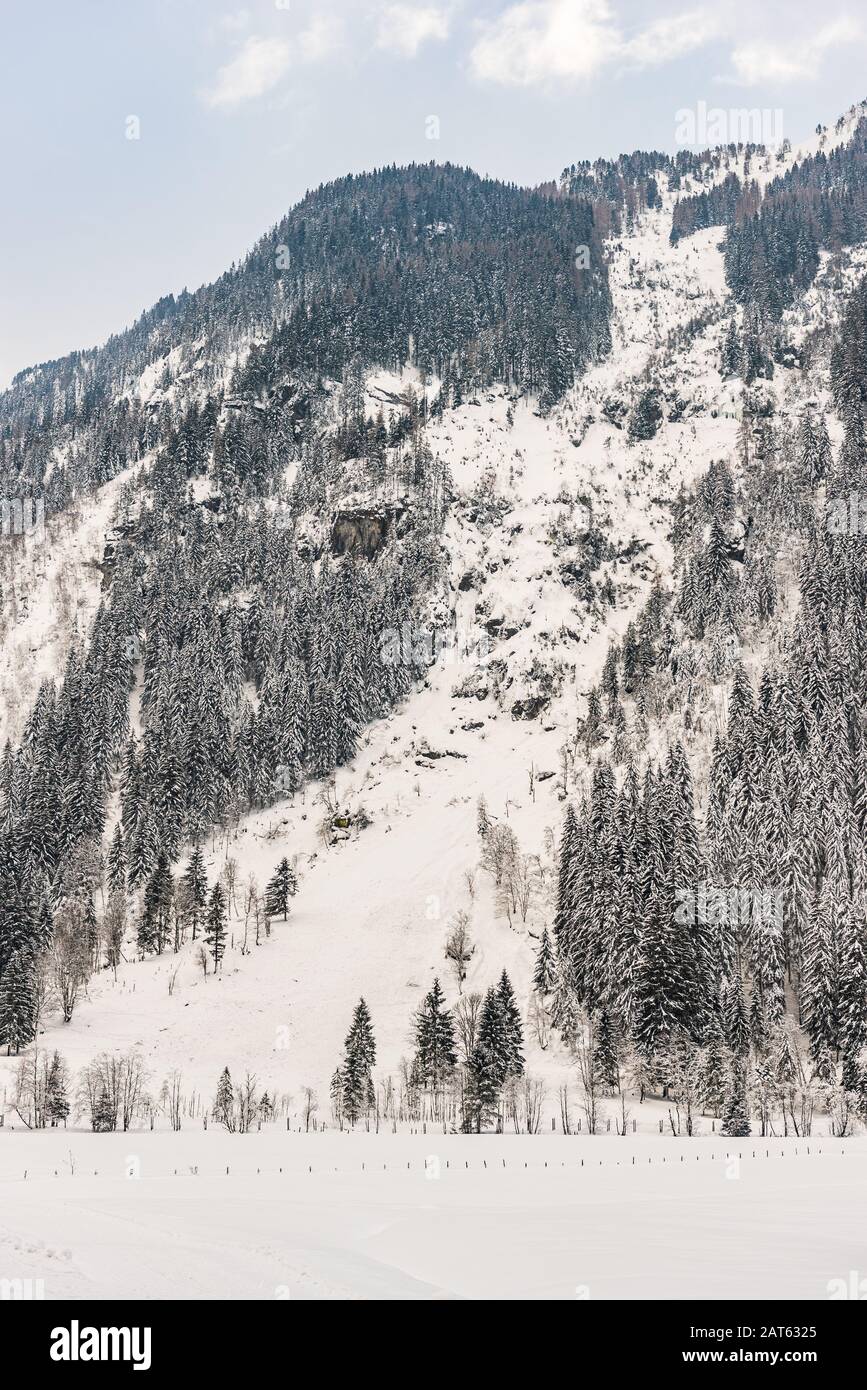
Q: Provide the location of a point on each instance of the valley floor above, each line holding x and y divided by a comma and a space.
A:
413, 1216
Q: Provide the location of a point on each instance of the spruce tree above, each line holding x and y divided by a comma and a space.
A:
736, 1121
736, 1018
196, 883
512, 1029
215, 929
852, 1000
103, 1117
224, 1102
545, 974
606, 1061
820, 983
358, 1059
336, 1092
18, 1000
153, 930
117, 865
487, 1070
57, 1091
280, 889
435, 1055
714, 1071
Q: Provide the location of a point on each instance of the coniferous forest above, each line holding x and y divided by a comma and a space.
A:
701, 927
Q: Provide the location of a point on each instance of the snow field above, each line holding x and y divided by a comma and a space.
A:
419, 1217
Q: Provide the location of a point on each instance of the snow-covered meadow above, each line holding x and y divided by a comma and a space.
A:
276, 1215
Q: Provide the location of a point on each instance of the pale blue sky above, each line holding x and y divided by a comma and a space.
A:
242, 107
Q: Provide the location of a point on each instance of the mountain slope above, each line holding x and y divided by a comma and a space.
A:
288, 552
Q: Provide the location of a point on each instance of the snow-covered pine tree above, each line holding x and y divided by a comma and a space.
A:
714, 1069
736, 1119
512, 1029
357, 1070
154, 926
606, 1058
545, 973
117, 865
435, 1054
224, 1101
57, 1091
852, 1000
737, 1018
195, 882
215, 924
19, 994
280, 889
486, 1072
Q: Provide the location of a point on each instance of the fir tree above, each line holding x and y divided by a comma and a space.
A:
545, 974
280, 889
606, 1061
435, 1055
736, 1120
486, 1072
117, 865
224, 1102
215, 929
714, 1071
57, 1091
852, 1000
512, 1057
18, 1000
153, 930
358, 1059
736, 1018
336, 1092
196, 884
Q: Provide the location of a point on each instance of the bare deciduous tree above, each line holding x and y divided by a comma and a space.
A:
132, 1083
311, 1105
466, 1014
532, 1097
499, 847
246, 1103
459, 948
69, 960
588, 1076
171, 1098
230, 882
111, 1088
251, 908
565, 1112
113, 931
202, 960
539, 1022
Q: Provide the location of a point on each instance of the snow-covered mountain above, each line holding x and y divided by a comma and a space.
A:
375, 557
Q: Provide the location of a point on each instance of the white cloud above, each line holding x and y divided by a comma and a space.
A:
322, 37
761, 62
258, 66
667, 39
404, 28
542, 40
532, 42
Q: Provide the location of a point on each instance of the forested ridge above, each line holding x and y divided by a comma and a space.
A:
471, 279
706, 938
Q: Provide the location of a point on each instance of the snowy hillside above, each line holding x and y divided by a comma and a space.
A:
435, 750
527, 625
